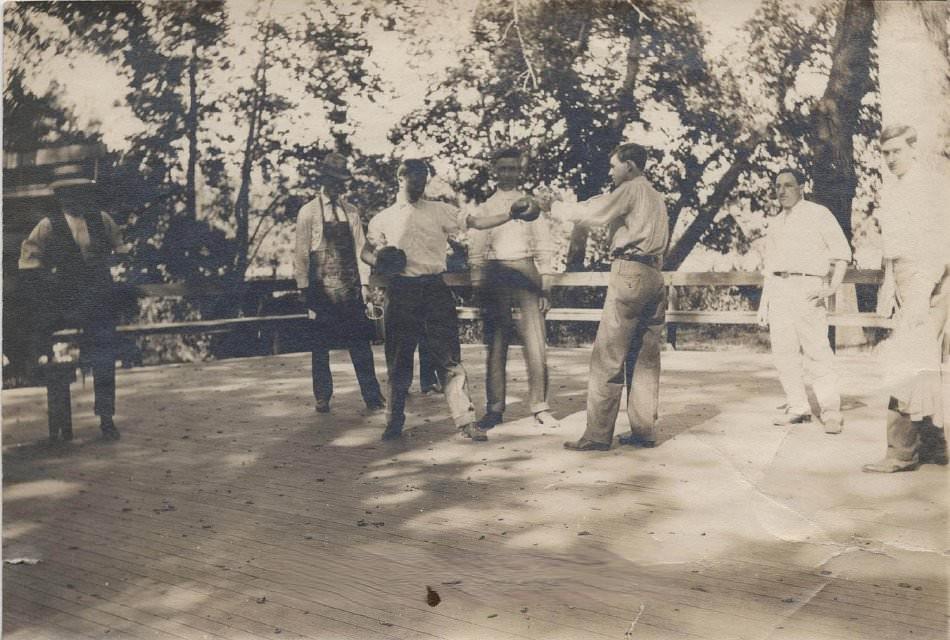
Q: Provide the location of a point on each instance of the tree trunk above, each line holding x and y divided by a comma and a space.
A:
707, 213
191, 124
836, 115
626, 113
242, 204
914, 72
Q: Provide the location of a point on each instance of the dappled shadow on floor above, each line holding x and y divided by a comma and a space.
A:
231, 509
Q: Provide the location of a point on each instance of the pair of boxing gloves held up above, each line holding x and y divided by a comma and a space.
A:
392, 260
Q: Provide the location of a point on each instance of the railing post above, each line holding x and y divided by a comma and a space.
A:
671, 304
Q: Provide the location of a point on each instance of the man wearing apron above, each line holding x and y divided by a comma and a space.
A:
335, 285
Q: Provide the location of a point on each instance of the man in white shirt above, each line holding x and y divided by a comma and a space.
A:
915, 230
503, 261
803, 242
418, 302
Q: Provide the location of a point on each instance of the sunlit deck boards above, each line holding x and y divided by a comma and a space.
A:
230, 509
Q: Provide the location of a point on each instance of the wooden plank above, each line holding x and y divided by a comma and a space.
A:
27, 191
53, 155
235, 448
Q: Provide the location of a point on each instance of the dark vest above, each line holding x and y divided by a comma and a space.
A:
82, 286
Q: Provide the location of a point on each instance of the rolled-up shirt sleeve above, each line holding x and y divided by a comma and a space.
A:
833, 237
598, 210
33, 249
453, 218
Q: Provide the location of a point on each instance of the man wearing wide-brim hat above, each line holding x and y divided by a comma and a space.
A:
66, 262
335, 284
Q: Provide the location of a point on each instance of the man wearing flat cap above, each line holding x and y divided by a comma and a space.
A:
66, 262
335, 284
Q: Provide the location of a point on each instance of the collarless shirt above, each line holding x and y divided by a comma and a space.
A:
514, 240
421, 229
645, 228
309, 235
805, 239
915, 218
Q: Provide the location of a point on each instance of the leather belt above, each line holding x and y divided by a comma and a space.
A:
626, 254
788, 274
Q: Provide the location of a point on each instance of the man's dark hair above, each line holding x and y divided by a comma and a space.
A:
899, 131
507, 152
413, 167
631, 152
799, 176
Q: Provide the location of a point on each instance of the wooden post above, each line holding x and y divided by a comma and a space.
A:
671, 303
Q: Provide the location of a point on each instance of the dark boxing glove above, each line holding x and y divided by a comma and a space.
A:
390, 261
525, 208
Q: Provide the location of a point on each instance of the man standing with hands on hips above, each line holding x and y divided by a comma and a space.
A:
635, 308
802, 245
335, 285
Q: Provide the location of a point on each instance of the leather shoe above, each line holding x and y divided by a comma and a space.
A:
377, 404
634, 440
490, 420
890, 465
546, 420
791, 418
929, 457
322, 406
471, 430
833, 423
109, 432
392, 433
586, 445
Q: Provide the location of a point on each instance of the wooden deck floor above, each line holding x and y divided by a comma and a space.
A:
231, 510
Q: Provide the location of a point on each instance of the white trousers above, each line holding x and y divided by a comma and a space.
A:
798, 329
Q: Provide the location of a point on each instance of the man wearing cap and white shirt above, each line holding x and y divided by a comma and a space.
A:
418, 302
334, 283
804, 241
66, 262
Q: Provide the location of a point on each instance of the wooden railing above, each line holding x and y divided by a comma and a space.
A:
263, 288
58, 376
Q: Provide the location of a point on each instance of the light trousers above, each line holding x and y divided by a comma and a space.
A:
798, 329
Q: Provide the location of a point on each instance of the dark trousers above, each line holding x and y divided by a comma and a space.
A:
429, 374
98, 347
361, 354
417, 308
